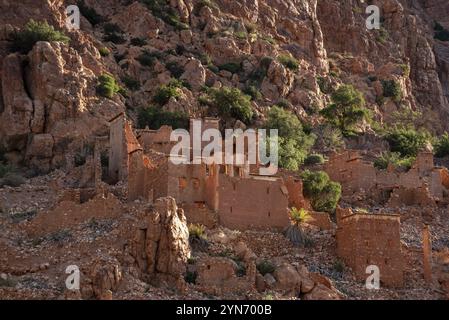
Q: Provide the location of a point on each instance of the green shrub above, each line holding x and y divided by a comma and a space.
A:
324, 85
113, 33
441, 33
392, 89
394, 159
253, 92
313, 159
329, 138
33, 32
5, 169
12, 179
347, 109
89, 13
405, 69
154, 118
165, 92
197, 231
131, 83
23, 216
294, 143
407, 141
383, 35
232, 67
299, 216
163, 10
339, 266
203, 3
241, 35
138, 42
323, 193
190, 277
265, 267
289, 62
175, 69
104, 52
147, 59
107, 86
441, 146
230, 103
329, 197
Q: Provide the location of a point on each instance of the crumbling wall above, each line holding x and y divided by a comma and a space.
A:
351, 171
321, 220
68, 214
356, 174
372, 239
156, 140
256, 202
410, 197
295, 194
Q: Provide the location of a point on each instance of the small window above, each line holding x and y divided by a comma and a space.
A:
182, 183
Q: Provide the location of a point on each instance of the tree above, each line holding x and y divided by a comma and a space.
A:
407, 141
294, 143
323, 193
442, 146
347, 109
231, 103
154, 118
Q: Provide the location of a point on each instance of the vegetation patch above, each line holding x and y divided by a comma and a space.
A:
289, 62
229, 103
165, 92
294, 143
89, 13
107, 86
163, 10
323, 193
33, 32
347, 109
154, 118
113, 33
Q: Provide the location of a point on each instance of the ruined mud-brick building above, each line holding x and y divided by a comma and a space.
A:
209, 194
424, 184
371, 239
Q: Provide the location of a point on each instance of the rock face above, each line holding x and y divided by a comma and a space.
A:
161, 246
46, 103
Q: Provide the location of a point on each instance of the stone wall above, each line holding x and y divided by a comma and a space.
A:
356, 175
372, 239
253, 203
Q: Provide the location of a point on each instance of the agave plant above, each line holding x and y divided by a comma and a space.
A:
294, 231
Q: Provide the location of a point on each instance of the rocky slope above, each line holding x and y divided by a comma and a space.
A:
51, 113
49, 93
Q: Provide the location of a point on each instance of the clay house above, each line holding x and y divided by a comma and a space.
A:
371, 239
423, 184
209, 194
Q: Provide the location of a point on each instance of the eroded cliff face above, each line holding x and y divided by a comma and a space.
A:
48, 101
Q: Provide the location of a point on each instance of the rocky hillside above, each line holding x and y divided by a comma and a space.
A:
310, 68
290, 53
